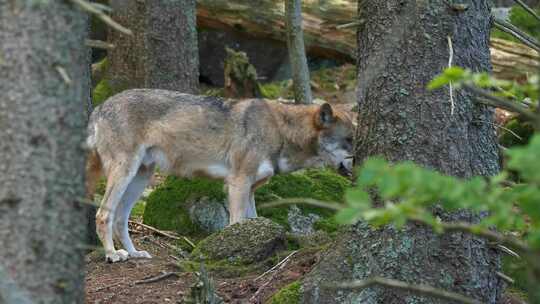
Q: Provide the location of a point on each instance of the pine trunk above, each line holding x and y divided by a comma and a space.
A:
43, 89
402, 46
297, 52
162, 53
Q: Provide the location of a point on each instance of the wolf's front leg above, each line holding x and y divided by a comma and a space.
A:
239, 190
251, 210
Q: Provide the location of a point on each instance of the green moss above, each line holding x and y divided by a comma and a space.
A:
522, 129
324, 185
290, 294
272, 90
222, 269
166, 206
101, 92
138, 209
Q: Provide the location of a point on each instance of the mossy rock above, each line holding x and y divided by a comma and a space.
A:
290, 294
167, 207
323, 185
248, 242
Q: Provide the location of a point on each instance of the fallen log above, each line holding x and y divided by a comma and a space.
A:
330, 30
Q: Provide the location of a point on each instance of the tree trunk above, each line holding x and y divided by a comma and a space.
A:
326, 33
402, 46
162, 53
297, 52
43, 89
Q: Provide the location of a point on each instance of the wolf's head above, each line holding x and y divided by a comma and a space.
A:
336, 125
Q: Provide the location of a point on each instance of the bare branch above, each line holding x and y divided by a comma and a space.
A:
98, 11
528, 9
422, 289
98, 44
495, 101
508, 241
510, 29
505, 278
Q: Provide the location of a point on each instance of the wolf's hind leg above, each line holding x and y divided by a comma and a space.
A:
118, 179
121, 218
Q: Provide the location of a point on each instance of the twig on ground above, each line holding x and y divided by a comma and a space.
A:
174, 258
166, 246
422, 289
450, 59
107, 286
163, 233
277, 265
162, 276
98, 10
528, 9
255, 297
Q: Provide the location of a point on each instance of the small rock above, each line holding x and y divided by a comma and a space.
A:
301, 224
210, 215
248, 242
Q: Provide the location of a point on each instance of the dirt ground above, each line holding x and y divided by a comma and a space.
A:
125, 282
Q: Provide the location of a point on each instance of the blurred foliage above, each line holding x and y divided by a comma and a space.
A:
524, 21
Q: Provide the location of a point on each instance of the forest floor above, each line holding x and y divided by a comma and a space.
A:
124, 282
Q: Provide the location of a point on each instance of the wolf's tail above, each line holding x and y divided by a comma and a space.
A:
94, 167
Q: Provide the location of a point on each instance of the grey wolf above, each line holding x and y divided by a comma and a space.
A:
243, 142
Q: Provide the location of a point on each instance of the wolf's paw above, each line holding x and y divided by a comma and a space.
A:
117, 256
140, 254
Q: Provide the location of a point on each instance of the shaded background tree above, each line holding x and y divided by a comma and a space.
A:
161, 53
297, 52
43, 67
402, 45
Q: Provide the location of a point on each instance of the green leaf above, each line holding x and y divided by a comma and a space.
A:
348, 216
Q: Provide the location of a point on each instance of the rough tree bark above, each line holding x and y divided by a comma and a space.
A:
402, 46
162, 53
43, 89
297, 52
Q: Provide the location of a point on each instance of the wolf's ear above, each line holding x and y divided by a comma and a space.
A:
325, 116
